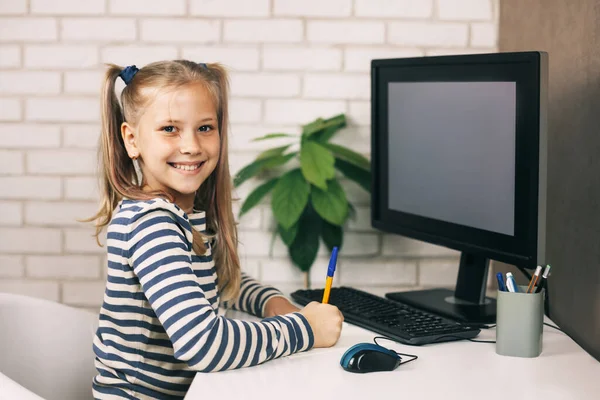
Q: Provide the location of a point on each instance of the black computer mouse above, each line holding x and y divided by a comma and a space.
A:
368, 357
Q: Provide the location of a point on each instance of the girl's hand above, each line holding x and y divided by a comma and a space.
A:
325, 321
279, 306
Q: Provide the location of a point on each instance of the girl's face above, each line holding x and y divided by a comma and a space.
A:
178, 142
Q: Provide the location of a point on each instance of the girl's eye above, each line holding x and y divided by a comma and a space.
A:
205, 128
168, 129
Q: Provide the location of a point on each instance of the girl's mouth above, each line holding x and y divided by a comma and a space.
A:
187, 167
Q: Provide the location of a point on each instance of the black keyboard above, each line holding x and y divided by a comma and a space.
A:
395, 320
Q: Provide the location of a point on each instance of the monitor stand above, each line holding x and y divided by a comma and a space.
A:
467, 303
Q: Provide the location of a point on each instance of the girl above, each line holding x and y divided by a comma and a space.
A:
171, 241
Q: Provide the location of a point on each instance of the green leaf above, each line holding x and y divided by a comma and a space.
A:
317, 164
303, 250
331, 204
352, 172
276, 151
348, 155
289, 198
288, 235
272, 136
338, 122
332, 235
257, 194
258, 165
324, 135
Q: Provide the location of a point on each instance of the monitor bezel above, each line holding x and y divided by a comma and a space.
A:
524, 68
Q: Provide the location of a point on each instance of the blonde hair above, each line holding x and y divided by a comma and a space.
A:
118, 175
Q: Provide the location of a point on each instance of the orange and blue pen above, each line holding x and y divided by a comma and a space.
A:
330, 272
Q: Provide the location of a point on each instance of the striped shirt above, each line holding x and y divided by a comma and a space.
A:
160, 321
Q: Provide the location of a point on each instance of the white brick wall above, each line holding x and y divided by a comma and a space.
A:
290, 61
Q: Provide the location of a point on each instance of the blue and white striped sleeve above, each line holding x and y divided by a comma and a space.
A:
160, 255
254, 296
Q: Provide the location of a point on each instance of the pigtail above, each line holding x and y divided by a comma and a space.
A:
215, 196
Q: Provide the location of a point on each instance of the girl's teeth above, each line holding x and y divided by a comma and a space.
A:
186, 167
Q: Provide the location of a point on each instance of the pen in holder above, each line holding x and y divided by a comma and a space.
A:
519, 323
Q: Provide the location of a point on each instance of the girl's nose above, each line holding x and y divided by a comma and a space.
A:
190, 143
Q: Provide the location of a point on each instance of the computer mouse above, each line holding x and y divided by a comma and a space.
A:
369, 357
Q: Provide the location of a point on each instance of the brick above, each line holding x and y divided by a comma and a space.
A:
302, 58
28, 29
11, 266
59, 109
267, 31
337, 86
355, 193
359, 113
29, 136
265, 85
11, 162
11, 213
354, 32
359, 59
244, 111
230, 8
83, 241
83, 293
135, 54
29, 187
464, 10
82, 136
13, 7
428, 34
241, 137
393, 8
62, 267
98, 29
250, 220
42, 290
29, 82
30, 240
10, 56
250, 267
395, 245
288, 111
236, 163
146, 7
362, 219
58, 214
70, 162
441, 272
254, 243
280, 249
84, 82
280, 270
484, 35
196, 31
358, 138
377, 272
446, 52
61, 56
68, 7
81, 188
232, 57
313, 8
360, 244
10, 109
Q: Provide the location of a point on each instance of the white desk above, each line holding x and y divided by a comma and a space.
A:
456, 370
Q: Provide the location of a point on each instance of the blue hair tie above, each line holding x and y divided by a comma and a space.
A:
203, 65
128, 73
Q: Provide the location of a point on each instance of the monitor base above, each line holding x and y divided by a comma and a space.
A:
443, 303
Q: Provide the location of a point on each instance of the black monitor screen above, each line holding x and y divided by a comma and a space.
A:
452, 152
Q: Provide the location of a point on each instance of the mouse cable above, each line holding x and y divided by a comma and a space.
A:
414, 357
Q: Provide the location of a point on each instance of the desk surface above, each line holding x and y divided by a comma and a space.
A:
455, 370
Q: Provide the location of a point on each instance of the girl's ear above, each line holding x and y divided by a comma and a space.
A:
129, 136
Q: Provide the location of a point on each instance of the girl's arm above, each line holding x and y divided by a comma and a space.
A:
261, 300
159, 252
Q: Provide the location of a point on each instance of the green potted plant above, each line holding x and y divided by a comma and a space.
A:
308, 202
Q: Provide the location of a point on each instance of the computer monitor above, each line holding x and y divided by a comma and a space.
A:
459, 160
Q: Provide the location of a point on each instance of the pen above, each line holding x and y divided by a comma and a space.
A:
511, 284
544, 279
330, 272
500, 279
534, 279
